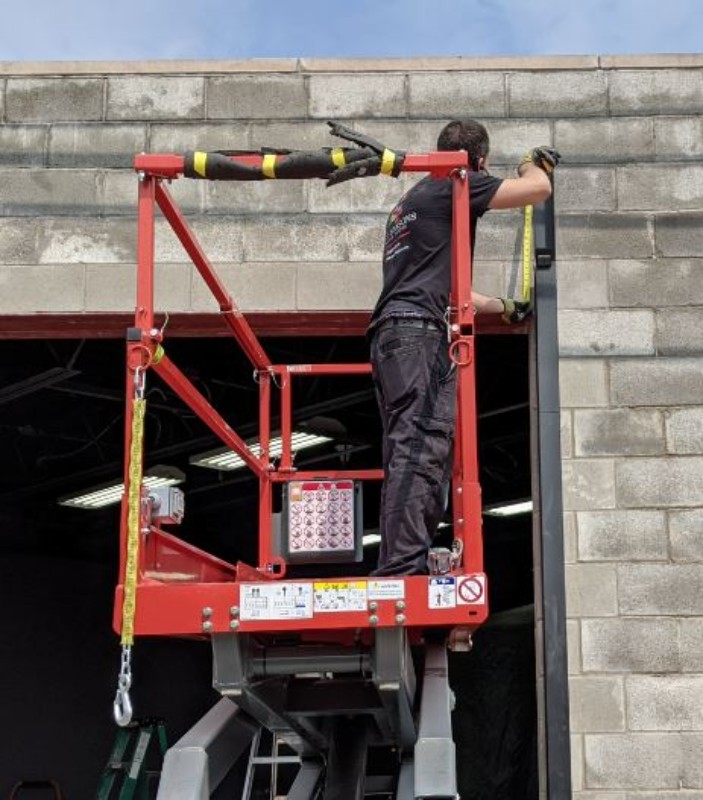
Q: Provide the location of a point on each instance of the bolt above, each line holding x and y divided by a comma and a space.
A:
373, 605
400, 605
459, 490
207, 626
460, 522
207, 611
400, 618
234, 611
234, 624
373, 620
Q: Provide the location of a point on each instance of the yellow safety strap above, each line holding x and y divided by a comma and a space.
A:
200, 163
338, 158
527, 255
159, 353
387, 162
129, 603
268, 165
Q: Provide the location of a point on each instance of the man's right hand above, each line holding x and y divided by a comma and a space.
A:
544, 157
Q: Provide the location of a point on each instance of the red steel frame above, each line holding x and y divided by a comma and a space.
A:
182, 590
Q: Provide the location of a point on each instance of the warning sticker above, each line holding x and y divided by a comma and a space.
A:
275, 601
471, 590
441, 593
386, 590
339, 596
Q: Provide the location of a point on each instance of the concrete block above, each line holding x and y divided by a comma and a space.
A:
220, 237
28, 289
448, 95
630, 645
660, 187
618, 431
664, 702
112, 287
346, 96
659, 482
692, 762
570, 537
660, 589
590, 590
659, 283
583, 383
677, 794
585, 189
23, 145
576, 742
600, 235
291, 135
604, 141
510, 139
684, 434
178, 137
364, 235
54, 99
582, 283
678, 137
691, 644
100, 146
557, 94
413, 136
588, 484
679, 332
567, 436
679, 234
141, 97
656, 382
633, 761
622, 535
597, 705
499, 236
284, 238
256, 97
260, 197
86, 240
656, 92
254, 286
346, 286
40, 192
365, 196
599, 795
18, 240
686, 535
606, 333
117, 192
573, 646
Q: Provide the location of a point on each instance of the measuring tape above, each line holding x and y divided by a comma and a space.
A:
527, 246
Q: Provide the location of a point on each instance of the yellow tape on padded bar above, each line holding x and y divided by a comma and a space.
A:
200, 162
129, 601
387, 162
527, 254
338, 158
268, 165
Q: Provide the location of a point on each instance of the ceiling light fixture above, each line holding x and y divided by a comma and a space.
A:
225, 459
509, 509
108, 494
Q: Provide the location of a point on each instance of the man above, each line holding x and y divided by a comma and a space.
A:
414, 378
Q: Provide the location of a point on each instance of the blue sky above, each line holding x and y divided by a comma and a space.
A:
47, 30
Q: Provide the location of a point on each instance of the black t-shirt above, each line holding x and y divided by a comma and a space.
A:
417, 249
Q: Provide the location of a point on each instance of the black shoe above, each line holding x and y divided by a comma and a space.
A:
515, 311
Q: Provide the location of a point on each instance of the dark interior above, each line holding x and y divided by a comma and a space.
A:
62, 430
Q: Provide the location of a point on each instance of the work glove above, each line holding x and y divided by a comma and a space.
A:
376, 157
544, 157
515, 311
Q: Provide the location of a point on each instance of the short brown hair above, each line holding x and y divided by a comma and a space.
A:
465, 134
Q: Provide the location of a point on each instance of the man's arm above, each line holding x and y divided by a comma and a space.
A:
532, 184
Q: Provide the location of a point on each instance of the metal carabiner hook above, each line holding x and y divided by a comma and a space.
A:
122, 706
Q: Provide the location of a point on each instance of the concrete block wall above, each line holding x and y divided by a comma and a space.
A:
630, 258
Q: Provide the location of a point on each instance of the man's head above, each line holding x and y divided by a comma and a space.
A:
469, 135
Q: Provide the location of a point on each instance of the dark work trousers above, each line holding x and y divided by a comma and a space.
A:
415, 386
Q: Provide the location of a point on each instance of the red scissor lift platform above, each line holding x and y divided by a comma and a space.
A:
325, 663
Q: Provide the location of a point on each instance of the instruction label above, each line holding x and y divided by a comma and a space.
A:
386, 590
332, 596
441, 593
471, 590
275, 601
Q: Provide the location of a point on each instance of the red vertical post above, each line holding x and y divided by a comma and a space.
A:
265, 484
286, 420
466, 489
